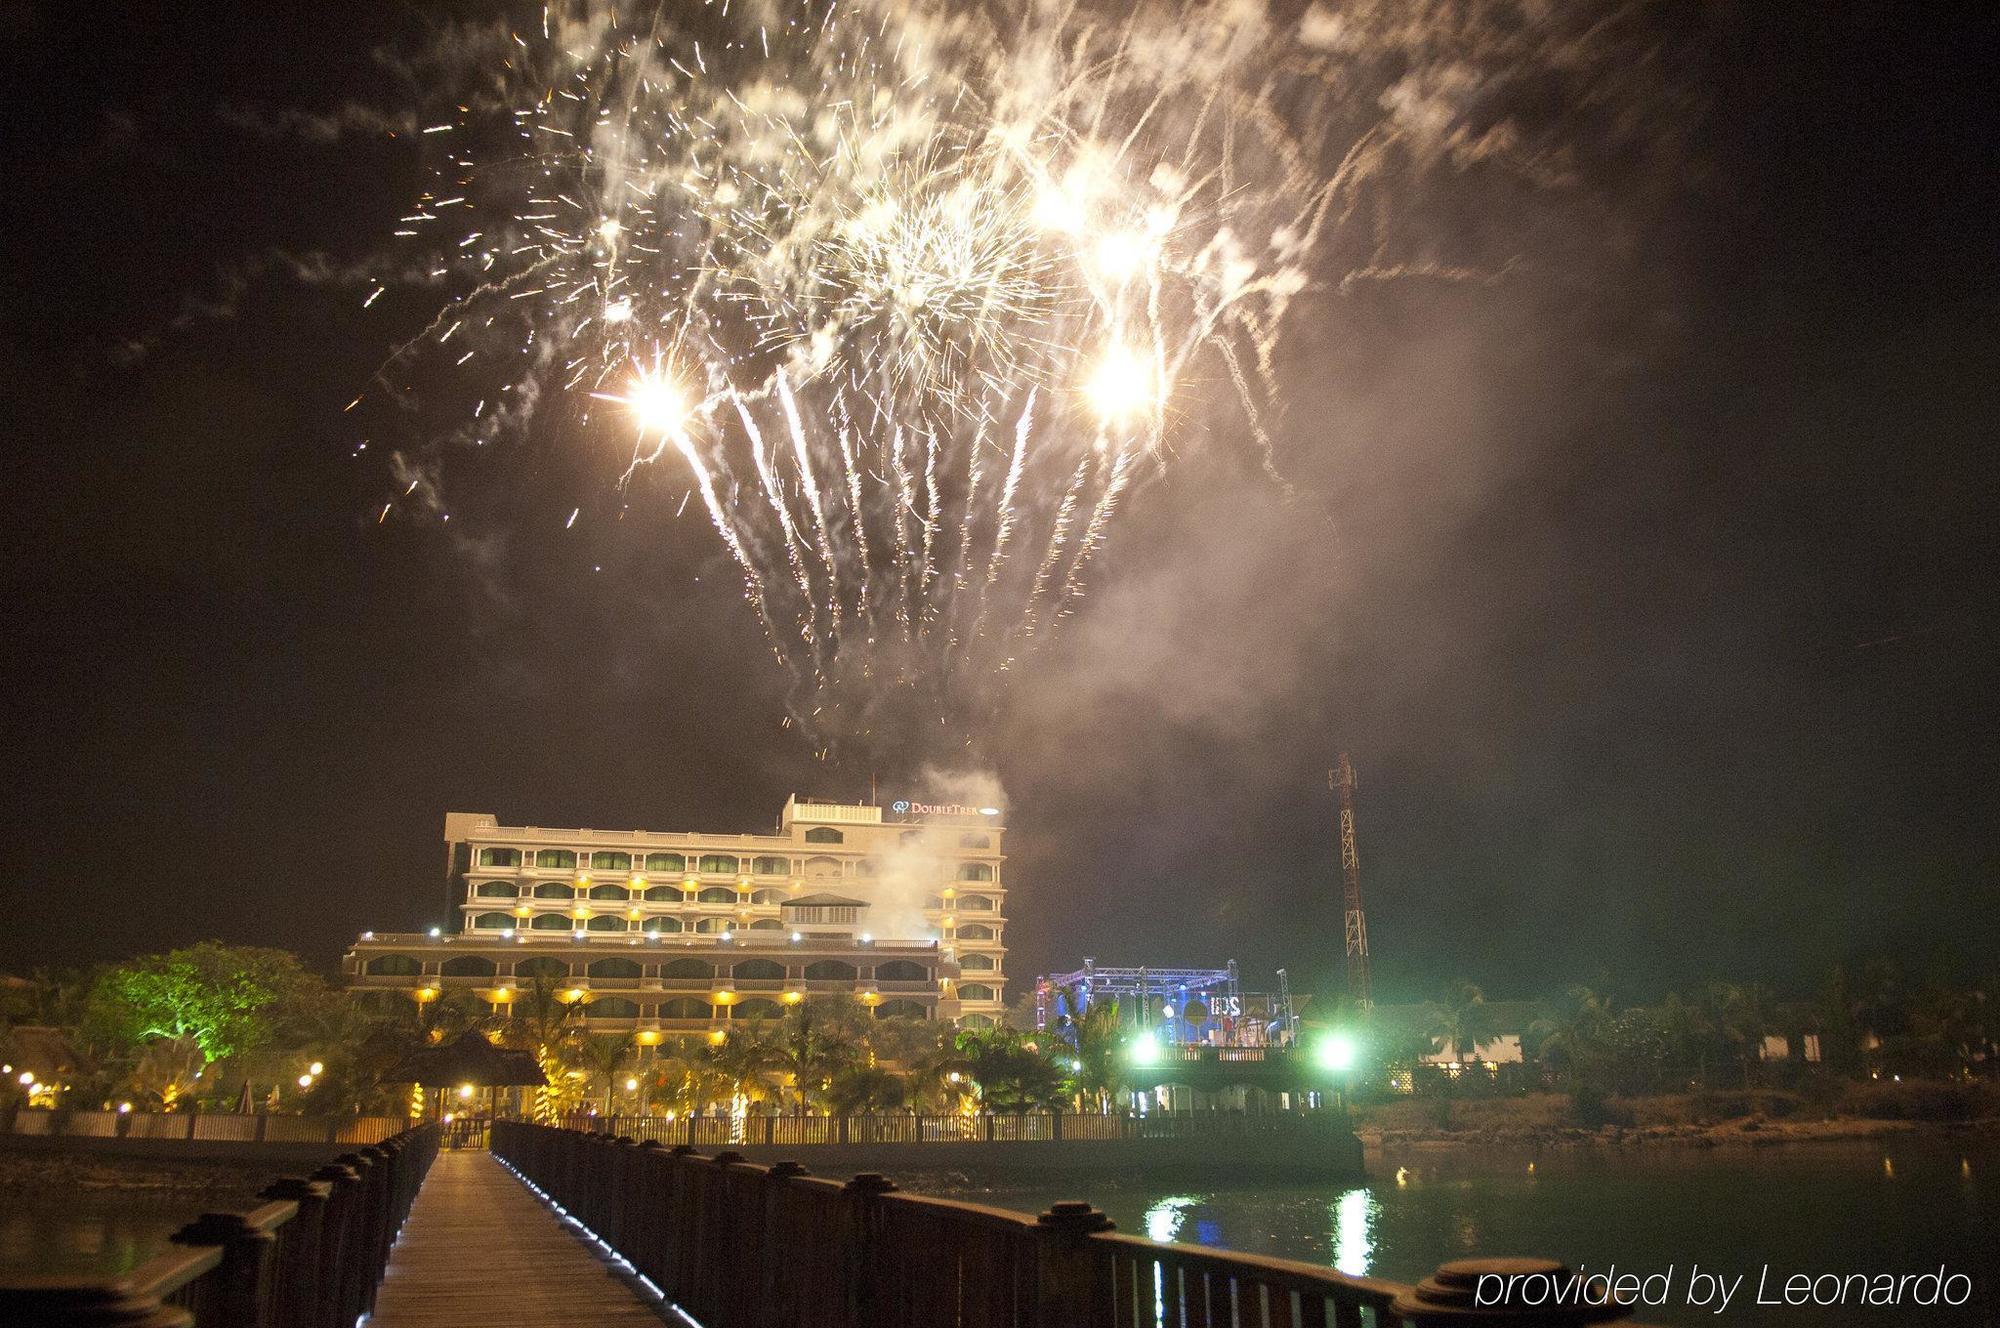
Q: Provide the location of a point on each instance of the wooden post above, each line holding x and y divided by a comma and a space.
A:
1066, 1285
300, 1284
243, 1288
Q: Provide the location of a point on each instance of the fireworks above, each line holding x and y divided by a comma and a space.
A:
914, 293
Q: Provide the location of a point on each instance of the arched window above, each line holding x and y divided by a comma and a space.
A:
830, 970
499, 857
712, 926
497, 890
974, 991
901, 1010
978, 963
555, 890
765, 924
975, 931
468, 966
542, 966
759, 970
767, 896
822, 866
665, 862
687, 968
975, 904
771, 867
661, 925
555, 857
609, 892
611, 862
613, 968
493, 921
551, 922
685, 1007
974, 841
605, 922
719, 862
393, 966
716, 894
663, 894
974, 871
901, 970
975, 1021
611, 1007
756, 1008
825, 834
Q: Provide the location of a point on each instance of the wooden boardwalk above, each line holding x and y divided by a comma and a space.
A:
479, 1248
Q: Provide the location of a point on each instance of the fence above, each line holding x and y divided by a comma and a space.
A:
308, 1258
904, 1128
206, 1126
744, 1246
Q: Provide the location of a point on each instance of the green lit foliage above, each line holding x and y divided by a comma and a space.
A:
228, 1000
1013, 1072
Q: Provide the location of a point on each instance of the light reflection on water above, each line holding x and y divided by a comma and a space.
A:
1354, 1214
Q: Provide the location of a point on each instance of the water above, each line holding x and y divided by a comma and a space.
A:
1899, 1206
80, 1215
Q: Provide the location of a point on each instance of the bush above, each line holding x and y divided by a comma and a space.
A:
1919, 1100
1590, 1109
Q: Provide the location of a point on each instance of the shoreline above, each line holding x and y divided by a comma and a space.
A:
1744, 1133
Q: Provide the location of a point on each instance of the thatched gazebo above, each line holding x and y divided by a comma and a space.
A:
473, 1061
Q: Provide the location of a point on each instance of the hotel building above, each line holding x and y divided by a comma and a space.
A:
677, 934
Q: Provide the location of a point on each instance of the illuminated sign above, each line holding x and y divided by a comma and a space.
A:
905, 808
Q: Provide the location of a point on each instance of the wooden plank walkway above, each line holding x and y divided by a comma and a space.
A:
479, 1248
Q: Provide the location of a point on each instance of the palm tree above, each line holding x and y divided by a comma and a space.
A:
541, 1021
863, 1089
1093, 1040
1573, 1034
602, 1057
1459, 1020
816, 1040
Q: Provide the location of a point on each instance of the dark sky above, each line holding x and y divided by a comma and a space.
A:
1646, 586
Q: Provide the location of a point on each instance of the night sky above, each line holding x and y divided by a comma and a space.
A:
1646, 585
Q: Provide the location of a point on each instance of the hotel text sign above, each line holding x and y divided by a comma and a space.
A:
902, 808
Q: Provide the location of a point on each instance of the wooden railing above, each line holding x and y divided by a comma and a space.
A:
310, 1257
742, 1246
906, 1128
204, 1126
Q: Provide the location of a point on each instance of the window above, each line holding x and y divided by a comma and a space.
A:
822, 866
542, 967
555, 857
661, 925
974, 871
611, 1007
686, 969
493, 921
609, 892
975, 931
974, 841
901, 970
771, 867
611, 862
393, 966
497, 890
766, 924
759, 970
468, 966
975, 904
685, 1007
719, 862
975, 1021
830, 970
712, 926
974, 991
551, 922
756, 1008
499, 857
767, 896
716, 894
665, 862
824, 834
555, 890
663, 894
978, 963
613, 968
605, 922
904, 1009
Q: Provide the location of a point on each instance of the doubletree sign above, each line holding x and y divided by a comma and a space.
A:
903, 808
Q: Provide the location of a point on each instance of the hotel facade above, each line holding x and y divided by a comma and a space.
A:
675, 935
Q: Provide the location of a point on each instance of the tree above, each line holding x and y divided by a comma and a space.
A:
229, 1000
1458, 1020
817, 1040
602, 1057
1573, 1035
539, 1020
1091, 1035
1012, 1073
861, 1089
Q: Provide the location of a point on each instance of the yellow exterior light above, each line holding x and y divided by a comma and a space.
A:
426, 994
718, 1037
794, 997
870, 997
316, 1068
725, 998
465, 1090
580, 914
638, 881
573, 994
631, 1085
583, 878
305, 1081
649, 1038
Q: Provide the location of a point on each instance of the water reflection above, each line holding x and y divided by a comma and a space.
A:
1354, 1217
1164, 1219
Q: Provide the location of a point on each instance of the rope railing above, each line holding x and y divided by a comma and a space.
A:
310, 1256
737, 1245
